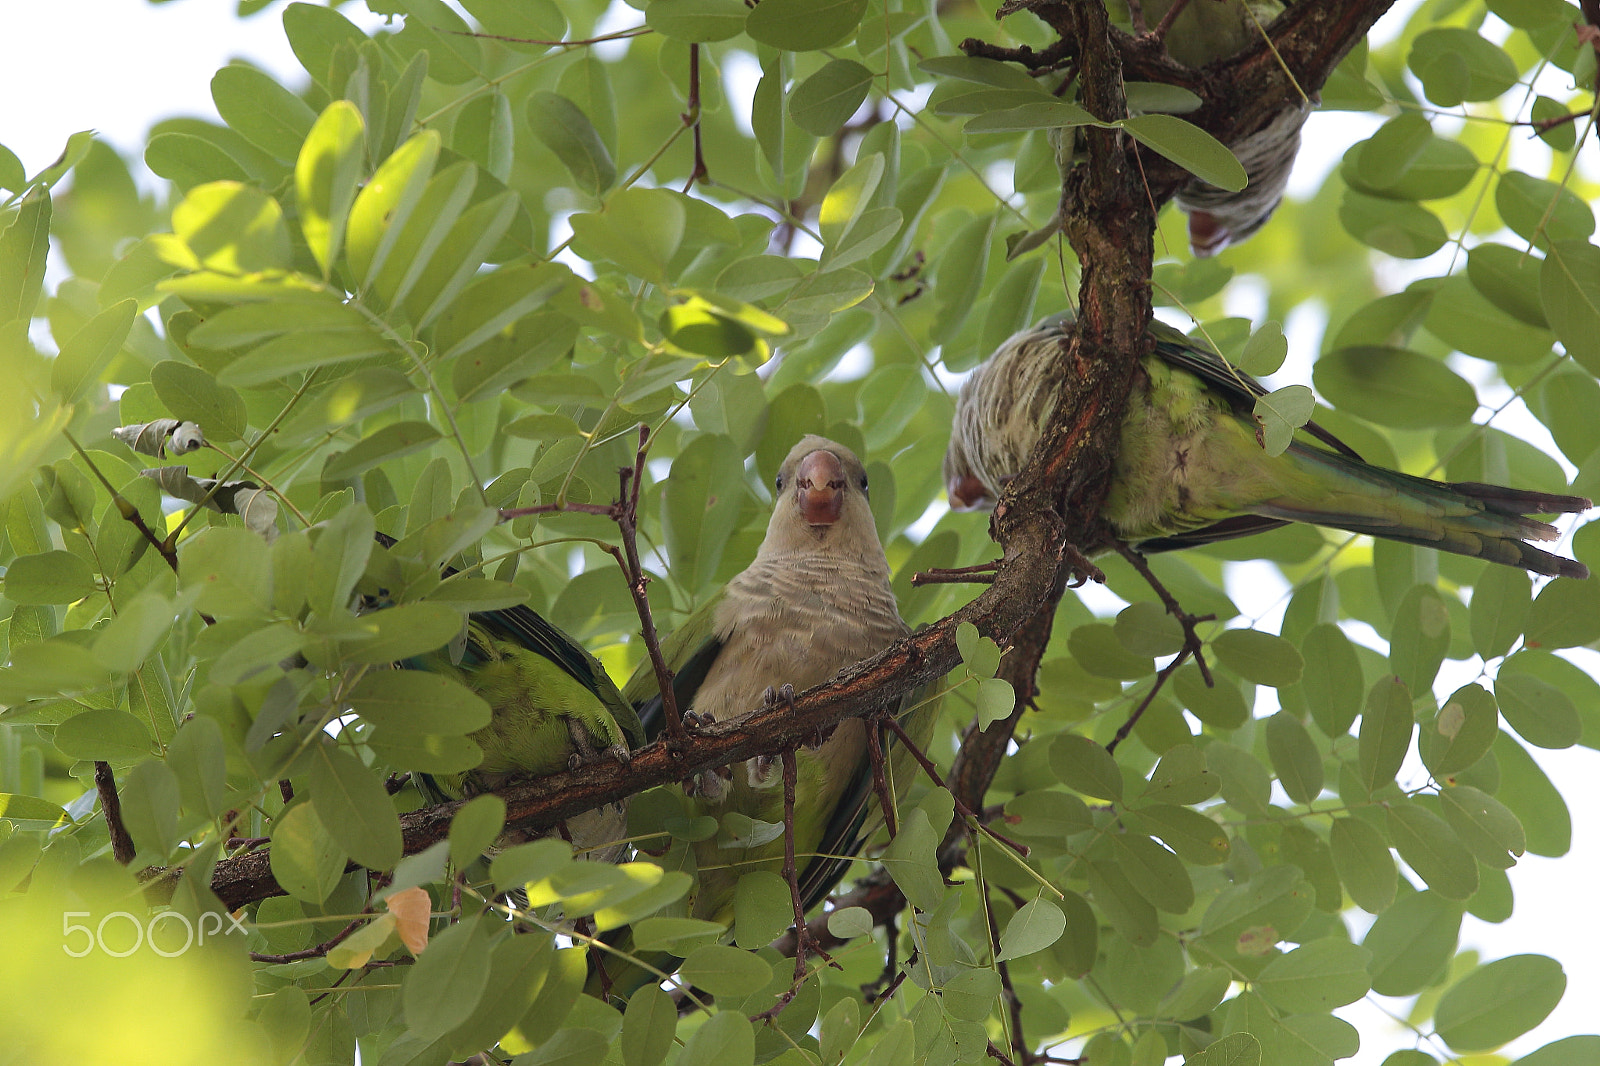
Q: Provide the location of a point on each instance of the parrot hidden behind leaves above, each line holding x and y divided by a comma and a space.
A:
815, 600
1204, 32
1190, 470
553, 706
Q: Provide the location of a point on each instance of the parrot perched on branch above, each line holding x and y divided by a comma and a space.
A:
1190, 469
553, 706
1205, 31
815, 600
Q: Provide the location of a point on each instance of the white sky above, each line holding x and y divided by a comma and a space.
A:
118, 66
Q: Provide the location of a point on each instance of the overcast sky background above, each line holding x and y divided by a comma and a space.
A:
117, 66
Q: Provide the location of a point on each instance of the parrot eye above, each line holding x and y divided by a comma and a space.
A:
777, 483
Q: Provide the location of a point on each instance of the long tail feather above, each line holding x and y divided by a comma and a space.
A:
1484, 521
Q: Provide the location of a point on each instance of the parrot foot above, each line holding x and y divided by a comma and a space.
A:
774, 696
697, 719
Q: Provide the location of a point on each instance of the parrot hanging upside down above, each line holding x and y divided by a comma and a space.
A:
1203, 32
1190, 470
815, 600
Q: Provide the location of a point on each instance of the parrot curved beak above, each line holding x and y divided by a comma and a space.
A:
819, 486
967, 493
1207, 236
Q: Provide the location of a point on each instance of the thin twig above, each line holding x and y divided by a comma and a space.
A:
977, 574
880, 784
105, 783
638, 581
803, 943
1149, 697
316, 952
692, 118
961, 808
1191, 639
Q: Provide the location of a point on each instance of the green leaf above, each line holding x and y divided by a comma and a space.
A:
1086, 767
1156, 873
909, 858
1485, 825
351, 802
1394, 387
1365, 865
1194, 837
1235, 1049
1499, 1001
1542, 213
1014, 112
804, 25
1569, 292
231, 571
305, 859
1264, 658
339, 558
398, 633
697, 22
1421, 637
48, 577
384, 207
1295, 758
1189, 146
449, 979
825, 101
233, 229
1431, 848
703, 501
1412, 942
1565, 614
24, 245
1541, 714
138, 629
1146, 629
1509, 279
1500, 600
326, 173
1457, 65
1280, 413
1098, 650
725, 971
1036, 925
562, 127
639, 230
1386, 726
191, 394
1467, 321
418, 701
762, 909
149, 795
1570, 1051
1316, 977
85, 355
198, 755
388, 443
1331, 682
269, 116
1461, 733
1400, 228
649, 1024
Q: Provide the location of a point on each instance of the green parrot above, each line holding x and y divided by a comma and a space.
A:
815, 600
1203, 32
1190, 469
553, 707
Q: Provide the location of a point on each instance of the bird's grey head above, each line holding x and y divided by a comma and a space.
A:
820, 496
